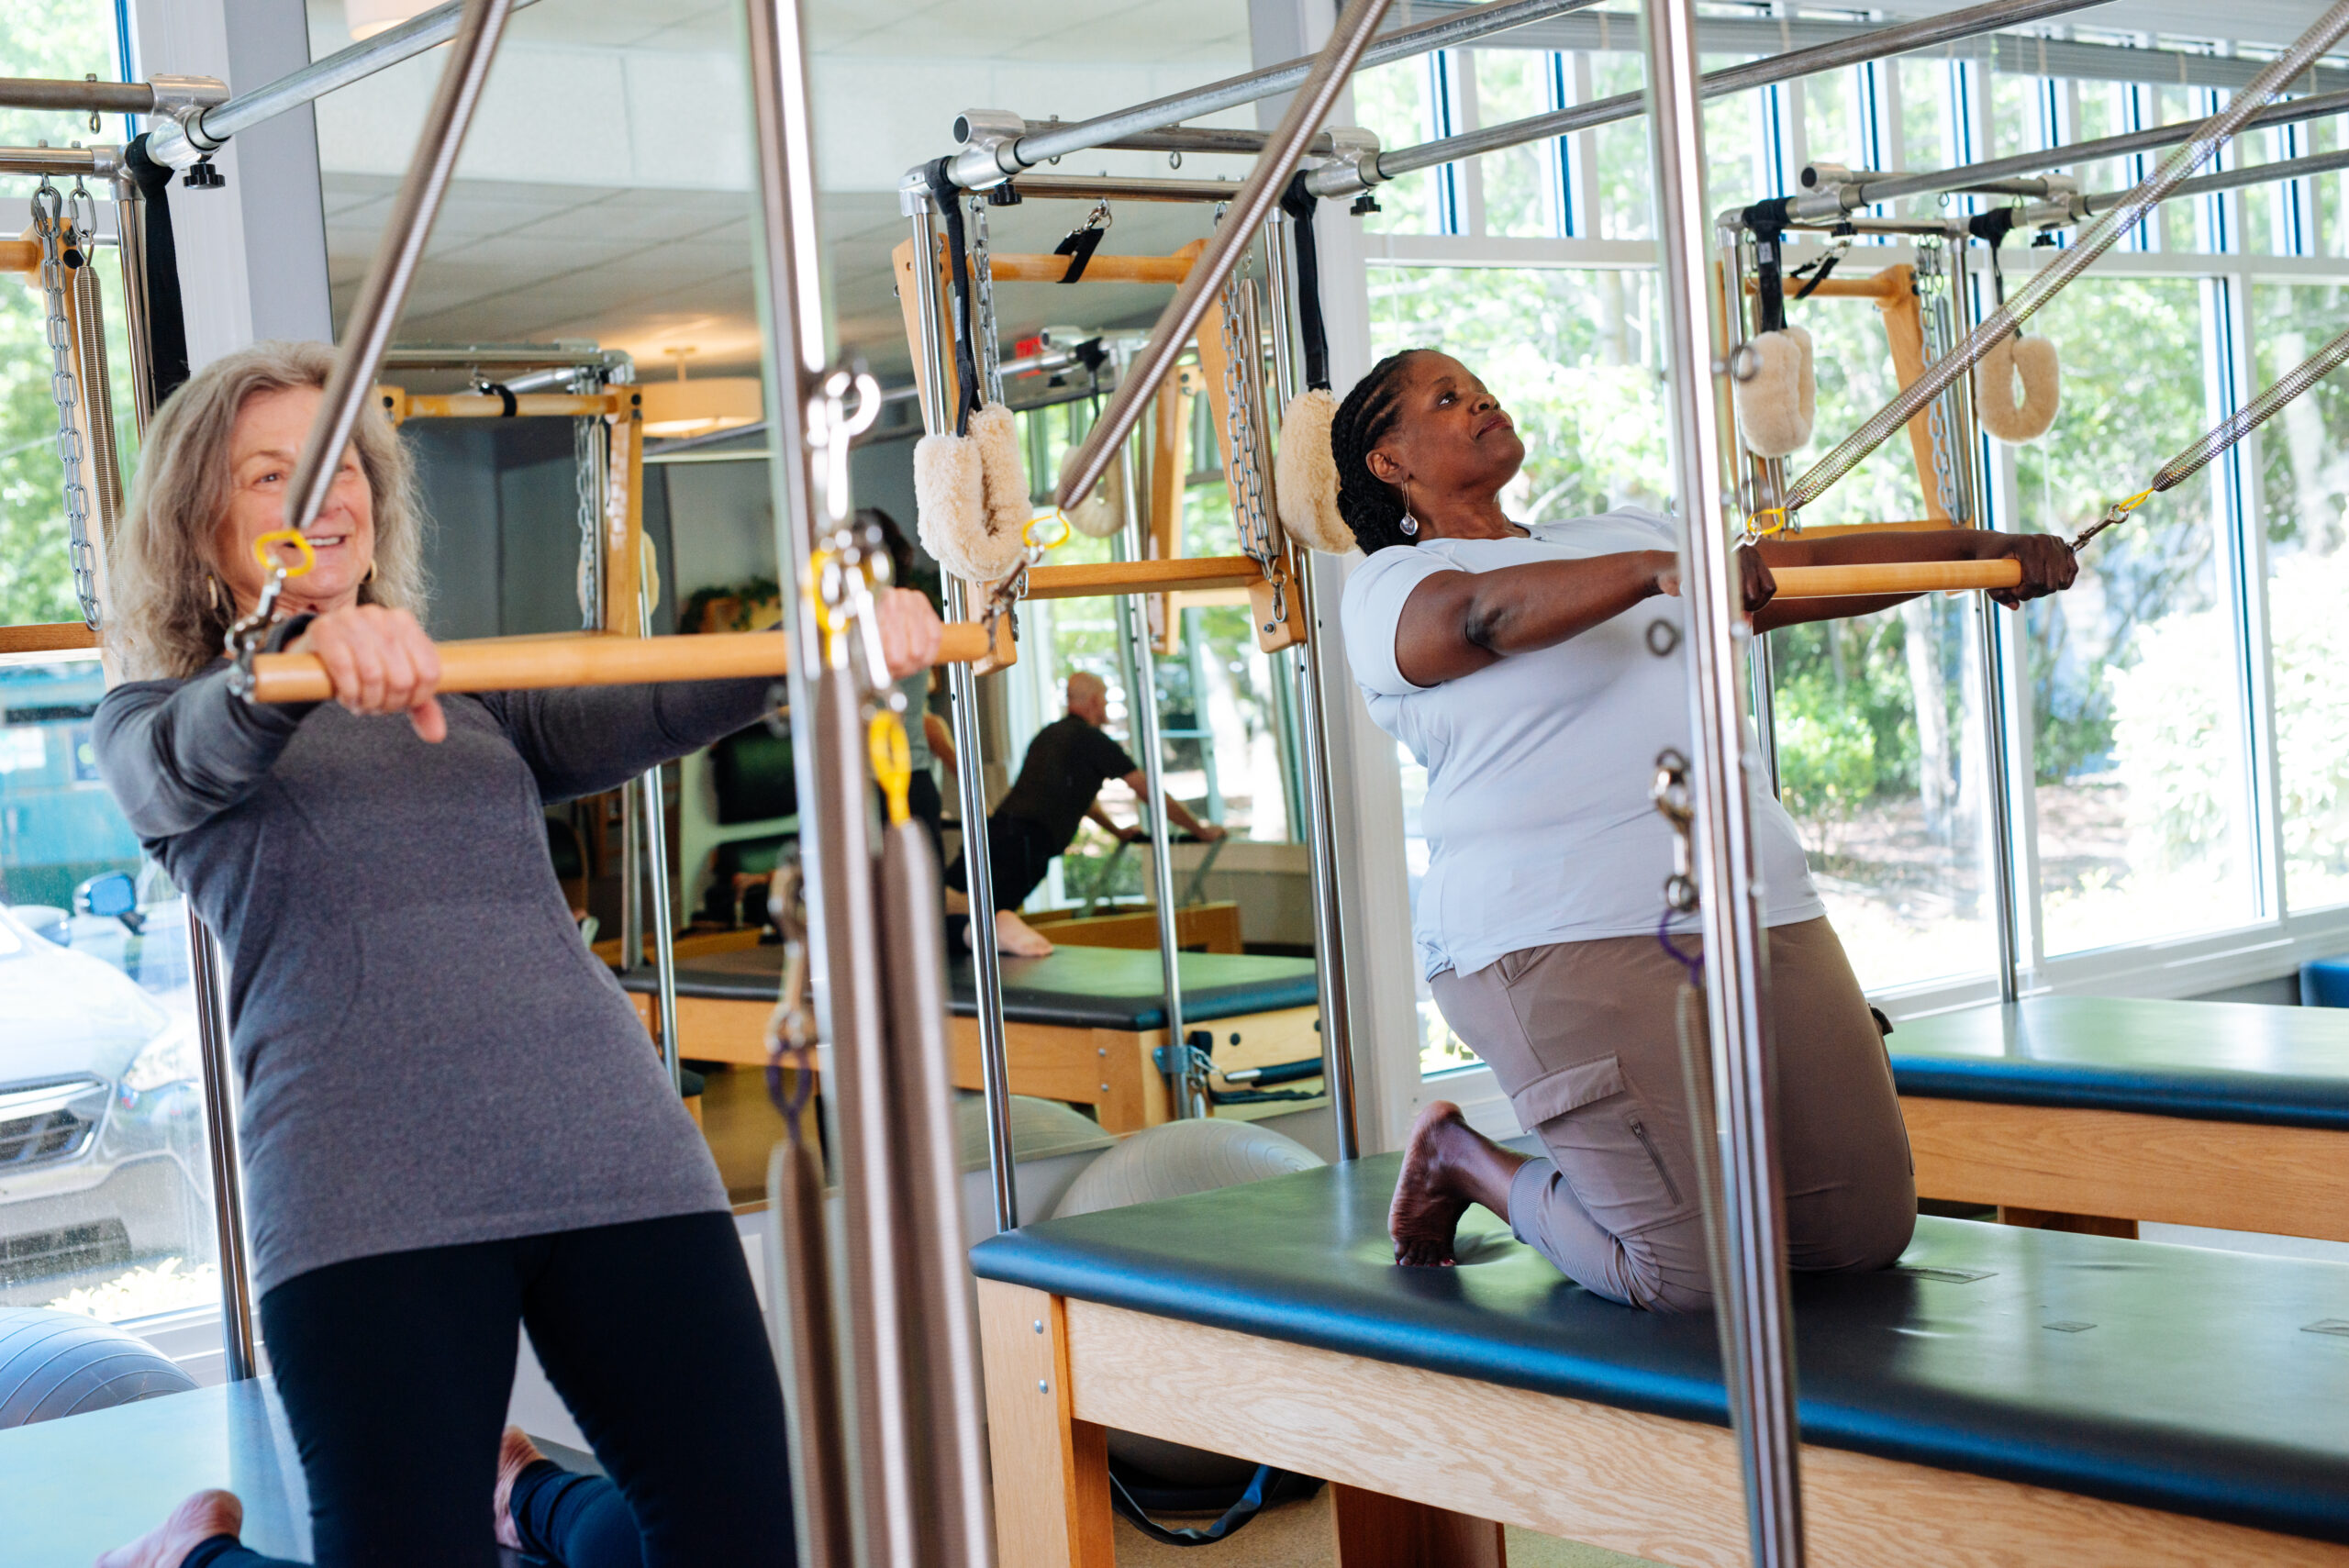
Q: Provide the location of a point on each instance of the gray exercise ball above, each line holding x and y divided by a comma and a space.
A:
1176, 1161
1040, 1129
61, 1364
1182, 1158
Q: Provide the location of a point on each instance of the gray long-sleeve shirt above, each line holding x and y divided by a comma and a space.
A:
430, 1054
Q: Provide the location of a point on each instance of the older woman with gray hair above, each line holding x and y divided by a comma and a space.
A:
452, 1123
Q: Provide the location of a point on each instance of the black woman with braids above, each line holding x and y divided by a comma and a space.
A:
1514, 663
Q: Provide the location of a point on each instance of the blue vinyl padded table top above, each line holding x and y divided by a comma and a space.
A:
1075, 987
2216, 1060
2194, 1382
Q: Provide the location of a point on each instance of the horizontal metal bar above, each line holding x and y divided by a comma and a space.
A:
1879, 43
2234, 179
1093, 187
1477, 22
1876, 192
177, 145
100, 163
462, 356
104, 98
1191, 139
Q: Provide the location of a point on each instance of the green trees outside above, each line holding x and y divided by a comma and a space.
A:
54, 39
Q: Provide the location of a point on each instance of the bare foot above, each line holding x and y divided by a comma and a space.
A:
516, 1453
194, 1522
1018, 938
1447, 1166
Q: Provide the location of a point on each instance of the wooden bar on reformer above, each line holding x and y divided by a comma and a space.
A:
596, 658
1883, 577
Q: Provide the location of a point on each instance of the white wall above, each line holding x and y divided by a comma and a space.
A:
253, 256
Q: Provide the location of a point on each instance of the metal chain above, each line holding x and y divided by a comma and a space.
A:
588, 466
1933, 290
1244, 368
983, 287
49, 207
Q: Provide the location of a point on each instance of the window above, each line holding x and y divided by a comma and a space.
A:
2139, 731
2303, 485
107, 1208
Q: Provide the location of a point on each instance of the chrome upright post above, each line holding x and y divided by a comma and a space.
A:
1760, 1373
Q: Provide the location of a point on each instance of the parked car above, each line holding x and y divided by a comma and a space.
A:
102, 1143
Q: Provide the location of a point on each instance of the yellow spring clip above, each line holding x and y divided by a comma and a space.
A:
1753, 529
294, 537
892, 762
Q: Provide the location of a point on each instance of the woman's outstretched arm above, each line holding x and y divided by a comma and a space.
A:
1456, 622
175, 755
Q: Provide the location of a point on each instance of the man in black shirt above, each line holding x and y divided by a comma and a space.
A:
1059, 785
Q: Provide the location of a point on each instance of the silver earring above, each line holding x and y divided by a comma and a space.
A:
1409, 525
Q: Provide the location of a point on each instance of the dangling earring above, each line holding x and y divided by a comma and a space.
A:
1409, 525
212, 592
371, 575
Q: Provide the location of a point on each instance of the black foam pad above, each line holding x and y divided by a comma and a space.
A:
1108, 988
2218, 1061
2177, 1378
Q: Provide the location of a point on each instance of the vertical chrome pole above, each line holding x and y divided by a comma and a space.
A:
664, 921
1141, 705
895, 1450
1997, 798
1760, 1373
130, 227
211, 982
631, 880
1313, 760
970, 770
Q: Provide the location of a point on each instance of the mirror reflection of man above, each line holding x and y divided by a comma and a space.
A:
1059, 786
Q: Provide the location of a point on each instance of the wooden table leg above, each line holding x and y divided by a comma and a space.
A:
1378, 1531
1052, 1471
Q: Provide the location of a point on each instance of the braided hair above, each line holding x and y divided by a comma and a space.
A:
1373, 508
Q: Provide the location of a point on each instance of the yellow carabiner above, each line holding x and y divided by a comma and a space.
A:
1028, 532
294, 536
2131, 504
892, 762
1752, 529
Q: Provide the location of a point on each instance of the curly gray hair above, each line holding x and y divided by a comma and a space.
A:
171, 608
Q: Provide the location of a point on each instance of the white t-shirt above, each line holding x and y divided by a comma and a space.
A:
1537, 817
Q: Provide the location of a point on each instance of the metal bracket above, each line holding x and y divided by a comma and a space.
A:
1353, 168
990, 140
177, 139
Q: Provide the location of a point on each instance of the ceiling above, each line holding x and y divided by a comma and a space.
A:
604, 189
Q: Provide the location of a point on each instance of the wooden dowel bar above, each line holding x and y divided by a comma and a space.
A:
1885, 284
53, 636
20, 256
1015, 269
526, 405
1894, 577
1182, 574
1831, 530
513, 665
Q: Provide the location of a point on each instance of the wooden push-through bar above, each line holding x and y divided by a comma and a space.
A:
400, 404
1182, 574
522, 663
1017, 269
48, 637
1895, 577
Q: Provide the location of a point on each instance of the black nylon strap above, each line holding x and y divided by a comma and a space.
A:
166, 318
1767, 223
1078, 248
1300, 204
949, 197
1251, 1504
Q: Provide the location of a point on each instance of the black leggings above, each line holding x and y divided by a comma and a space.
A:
397, 1371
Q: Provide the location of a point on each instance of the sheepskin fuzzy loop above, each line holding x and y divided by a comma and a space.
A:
998, 439
2030, 360
1775, 405
1305, 474
949, 500
1103, 512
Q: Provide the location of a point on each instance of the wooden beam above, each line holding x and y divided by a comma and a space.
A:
1654, 1486
595, 658
399, 405
1052, 1471
48, 636
1011, 268
1110, 577
2226, 1175
1894, 577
